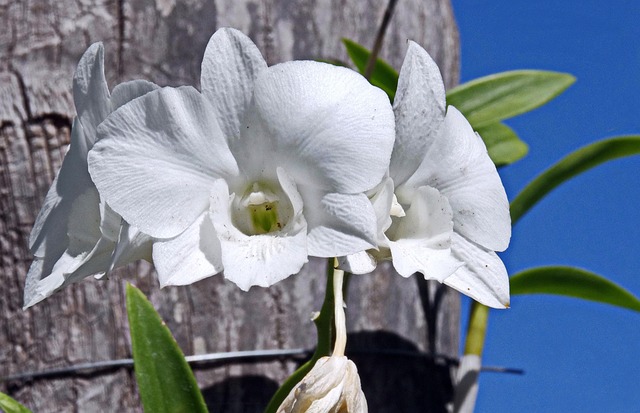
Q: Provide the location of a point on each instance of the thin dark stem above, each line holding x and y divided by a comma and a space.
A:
200, 361
373, 57
431, 302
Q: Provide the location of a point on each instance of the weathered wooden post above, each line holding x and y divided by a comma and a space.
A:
163, 41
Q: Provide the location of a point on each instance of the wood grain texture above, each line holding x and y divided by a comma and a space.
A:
164, 41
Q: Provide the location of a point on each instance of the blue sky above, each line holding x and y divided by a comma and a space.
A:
578, 356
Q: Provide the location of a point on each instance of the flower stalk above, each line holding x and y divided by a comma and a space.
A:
373, 58
324, 322
332, 384
477, 329
338, 312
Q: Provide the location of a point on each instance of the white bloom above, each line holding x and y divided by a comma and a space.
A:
443, 211
332, 385
262, 169
76, 234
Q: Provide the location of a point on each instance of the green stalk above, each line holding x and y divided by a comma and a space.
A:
325, 328
477, 329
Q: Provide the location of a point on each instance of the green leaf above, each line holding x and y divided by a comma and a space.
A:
384, 76
9, 405
504, 146
573, 164
489, 99
572, 282
164, 378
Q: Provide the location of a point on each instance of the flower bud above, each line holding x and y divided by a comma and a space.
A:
333, 385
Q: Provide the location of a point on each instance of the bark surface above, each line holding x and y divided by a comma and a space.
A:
163, 41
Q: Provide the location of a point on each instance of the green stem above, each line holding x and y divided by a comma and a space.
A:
325, 328
477, 329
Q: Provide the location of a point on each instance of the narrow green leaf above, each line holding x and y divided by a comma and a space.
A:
489, 99
573, 282
573, 164
9, 405
384, 76
504, 146
164, 378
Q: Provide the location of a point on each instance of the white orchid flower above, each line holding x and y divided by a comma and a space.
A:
263, 168
76, 234
443, 211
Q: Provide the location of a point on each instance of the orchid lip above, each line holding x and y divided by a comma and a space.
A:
263, 208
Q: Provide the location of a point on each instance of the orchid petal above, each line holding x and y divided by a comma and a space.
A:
95, 263
127, 243
328, 127
90, 90
156, 159
483, 277
354, 396
261, 260
132, 245
363, 262
84, 227
189, 257
110, 222
419, 108
91, 245
383, 202
49, 234
412, 256
420, 241
458, 165
92, 235
230, 66
75, 233
359, 263
127, 91
339, 224
40, 282
43, 279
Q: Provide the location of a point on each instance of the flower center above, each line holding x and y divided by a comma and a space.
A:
261, 210
424, 215
398, 214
